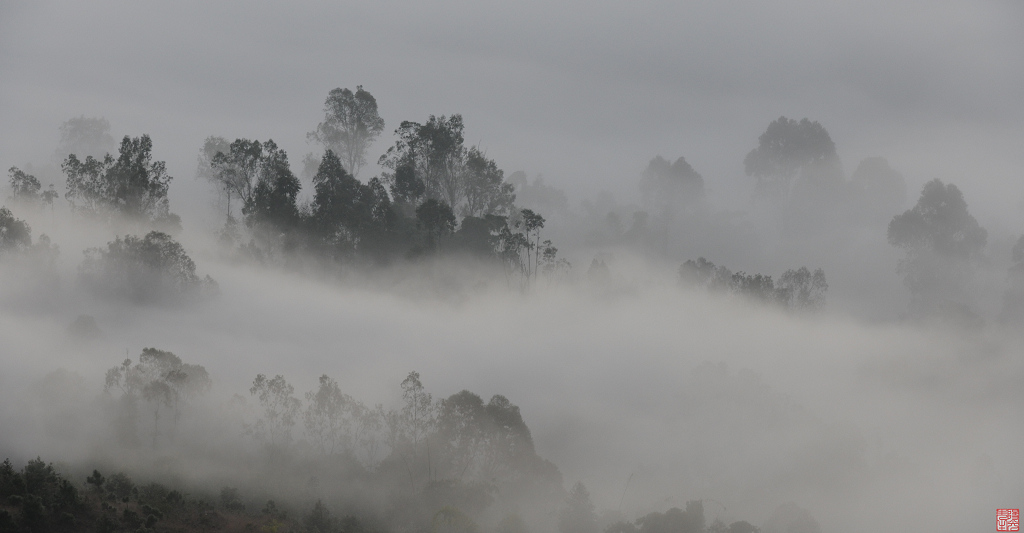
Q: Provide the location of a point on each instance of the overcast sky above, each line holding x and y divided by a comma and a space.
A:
584, 93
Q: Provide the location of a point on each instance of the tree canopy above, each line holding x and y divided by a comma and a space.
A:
351, 124
942, 244
133, 186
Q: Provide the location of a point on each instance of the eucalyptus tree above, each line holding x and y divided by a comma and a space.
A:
351, 124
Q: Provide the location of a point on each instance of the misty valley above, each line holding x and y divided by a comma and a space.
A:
449, 347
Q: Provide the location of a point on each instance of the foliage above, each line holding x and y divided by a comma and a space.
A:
431, 160
85, 136
578, 515
144, 270
942, 244
675, 520
351, 124
133, 186
667, 184
24, 187
331, 417
280, 410
787, 150
797, 289
161, 380
15, 234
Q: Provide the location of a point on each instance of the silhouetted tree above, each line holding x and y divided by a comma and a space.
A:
436, 154
942, 244
485, 189
675, 520
351, 124
84, 137
132, 186
437, 219
667, 184
343, 208
15, 234
24, 187
789, 150
331, 417
801, 290
144, 269
877, 190
578, 515
280, 409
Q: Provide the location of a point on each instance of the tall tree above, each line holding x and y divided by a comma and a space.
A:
133, 185
24, 187
437, 219
485, 189
280, 409
84, 136
351, 124
15, 234
942, 244
342, 207
435, 153
238, 169
666, 185
788, 150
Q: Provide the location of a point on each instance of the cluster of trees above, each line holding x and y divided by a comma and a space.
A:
40, 498
427, 442
148, 269
436, 195
159, 383
943, 245
796, 289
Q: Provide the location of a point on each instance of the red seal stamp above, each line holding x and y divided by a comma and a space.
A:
1007, 519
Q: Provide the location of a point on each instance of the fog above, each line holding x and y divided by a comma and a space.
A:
891, 404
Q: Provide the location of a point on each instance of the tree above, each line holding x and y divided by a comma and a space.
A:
330, 417
84, 137
788, 150
272, 202
342, 208
532, 224
161, 379
435, 153
15, 234
877, 190
24, 187
236, 169
667, 184
212, 146
351, 124
801, 290
280, 409
144, 269
675, 520
437, 219
942, 244
485, 189
578, 515
132, 186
